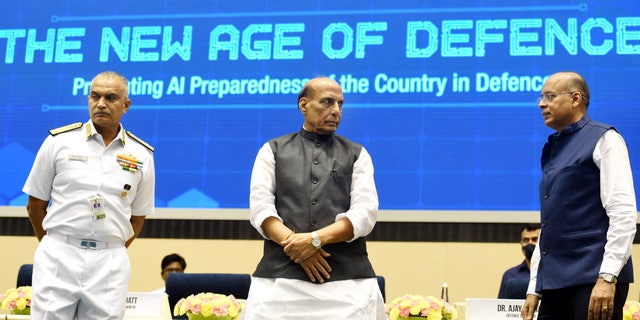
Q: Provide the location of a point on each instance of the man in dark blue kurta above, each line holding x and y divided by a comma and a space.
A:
581, 267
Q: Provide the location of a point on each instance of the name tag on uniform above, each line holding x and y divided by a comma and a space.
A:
78, 157
96, 206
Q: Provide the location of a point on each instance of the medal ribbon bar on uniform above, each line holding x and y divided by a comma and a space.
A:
129, 163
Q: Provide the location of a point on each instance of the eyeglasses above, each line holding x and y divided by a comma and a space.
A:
548, 97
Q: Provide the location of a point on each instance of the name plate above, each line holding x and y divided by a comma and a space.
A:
147, 305
494, 309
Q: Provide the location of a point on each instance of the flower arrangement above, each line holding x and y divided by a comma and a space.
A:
17, 301
415, 306
208, 306
631, 310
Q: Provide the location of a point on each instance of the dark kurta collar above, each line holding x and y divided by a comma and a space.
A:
574, 127
314, 136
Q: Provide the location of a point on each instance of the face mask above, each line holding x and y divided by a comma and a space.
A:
528, 250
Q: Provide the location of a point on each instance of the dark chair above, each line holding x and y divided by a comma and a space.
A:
181, 285
381, 285
24, 275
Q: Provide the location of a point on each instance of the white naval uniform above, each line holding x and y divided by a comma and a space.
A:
81, 267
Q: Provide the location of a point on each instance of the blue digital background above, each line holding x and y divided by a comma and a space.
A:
462, 150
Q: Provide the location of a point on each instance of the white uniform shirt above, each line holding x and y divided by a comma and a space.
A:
74, 166
618, 198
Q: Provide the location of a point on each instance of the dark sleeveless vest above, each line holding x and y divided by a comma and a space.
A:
574, 223
313, 185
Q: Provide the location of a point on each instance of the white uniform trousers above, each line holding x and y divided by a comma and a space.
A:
70, 281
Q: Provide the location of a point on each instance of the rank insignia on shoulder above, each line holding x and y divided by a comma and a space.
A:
134, 137
66, 128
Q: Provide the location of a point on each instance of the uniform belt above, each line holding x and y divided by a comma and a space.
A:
84, 243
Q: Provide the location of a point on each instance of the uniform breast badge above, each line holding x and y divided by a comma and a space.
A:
125, 192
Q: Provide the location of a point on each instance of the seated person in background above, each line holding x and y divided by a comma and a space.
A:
515, 280
170, 264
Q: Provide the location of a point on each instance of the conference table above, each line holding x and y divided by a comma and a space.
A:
154, 306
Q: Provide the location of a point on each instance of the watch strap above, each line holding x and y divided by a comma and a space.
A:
608, 277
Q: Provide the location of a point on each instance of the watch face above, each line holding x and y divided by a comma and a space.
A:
609, 278
315, 242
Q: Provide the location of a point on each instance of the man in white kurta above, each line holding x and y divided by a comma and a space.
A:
313, 199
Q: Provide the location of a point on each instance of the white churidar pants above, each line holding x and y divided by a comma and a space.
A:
287, 299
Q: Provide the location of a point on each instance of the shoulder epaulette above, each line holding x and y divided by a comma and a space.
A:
66, 128
146, 145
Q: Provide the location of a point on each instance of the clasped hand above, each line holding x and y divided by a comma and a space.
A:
299, 249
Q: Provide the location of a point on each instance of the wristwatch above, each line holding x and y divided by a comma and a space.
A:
315, 241
608, 277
